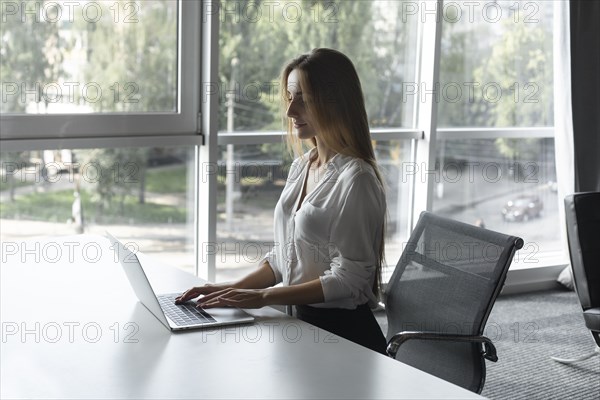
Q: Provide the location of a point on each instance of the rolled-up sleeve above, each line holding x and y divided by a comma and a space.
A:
354, 242
271, 258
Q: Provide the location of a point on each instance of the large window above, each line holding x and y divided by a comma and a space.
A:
95, 69
177, 104
143, 196
495, 150
250, 180
96, 125
256, 41
496, 65
85, 57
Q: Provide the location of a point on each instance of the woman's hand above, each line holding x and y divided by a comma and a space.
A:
262, 277
198, 291
230, 297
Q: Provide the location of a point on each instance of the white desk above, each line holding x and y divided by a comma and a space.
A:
73, 328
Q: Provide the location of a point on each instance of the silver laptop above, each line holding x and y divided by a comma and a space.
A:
175, 317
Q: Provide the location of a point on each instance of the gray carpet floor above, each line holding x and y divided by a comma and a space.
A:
529, 328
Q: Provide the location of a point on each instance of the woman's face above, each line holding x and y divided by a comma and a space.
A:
296, 109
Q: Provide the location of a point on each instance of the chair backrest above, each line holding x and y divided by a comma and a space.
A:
582, 213
447, 281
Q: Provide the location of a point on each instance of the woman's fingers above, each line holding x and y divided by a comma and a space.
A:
185, 296
188, 295
197, 291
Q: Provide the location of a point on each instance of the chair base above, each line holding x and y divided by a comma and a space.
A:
574, 360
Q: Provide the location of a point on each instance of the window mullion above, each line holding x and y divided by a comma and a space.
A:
430, 36
207, 154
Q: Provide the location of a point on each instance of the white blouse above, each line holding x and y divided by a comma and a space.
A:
334, 235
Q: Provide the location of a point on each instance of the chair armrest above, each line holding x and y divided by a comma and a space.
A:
399, 338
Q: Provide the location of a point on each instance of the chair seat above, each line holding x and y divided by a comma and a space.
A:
592, 319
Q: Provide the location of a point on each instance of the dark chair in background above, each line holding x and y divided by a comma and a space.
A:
582, 213
441, 294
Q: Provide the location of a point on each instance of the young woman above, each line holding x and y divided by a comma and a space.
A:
329, 220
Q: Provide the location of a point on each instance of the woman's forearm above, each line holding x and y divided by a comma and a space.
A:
260, 278
304, 293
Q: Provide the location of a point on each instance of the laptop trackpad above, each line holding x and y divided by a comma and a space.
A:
225, 314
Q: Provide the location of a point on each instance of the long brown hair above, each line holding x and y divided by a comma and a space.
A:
334, 100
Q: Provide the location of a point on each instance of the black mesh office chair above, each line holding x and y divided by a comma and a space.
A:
441, 294
582, 213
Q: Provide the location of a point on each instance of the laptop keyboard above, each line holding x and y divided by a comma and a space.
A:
184, 314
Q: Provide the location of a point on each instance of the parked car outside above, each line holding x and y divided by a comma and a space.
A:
523, 208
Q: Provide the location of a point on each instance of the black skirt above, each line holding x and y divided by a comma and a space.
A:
358, 325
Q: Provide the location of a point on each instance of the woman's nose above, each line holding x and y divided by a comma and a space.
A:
291, 110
